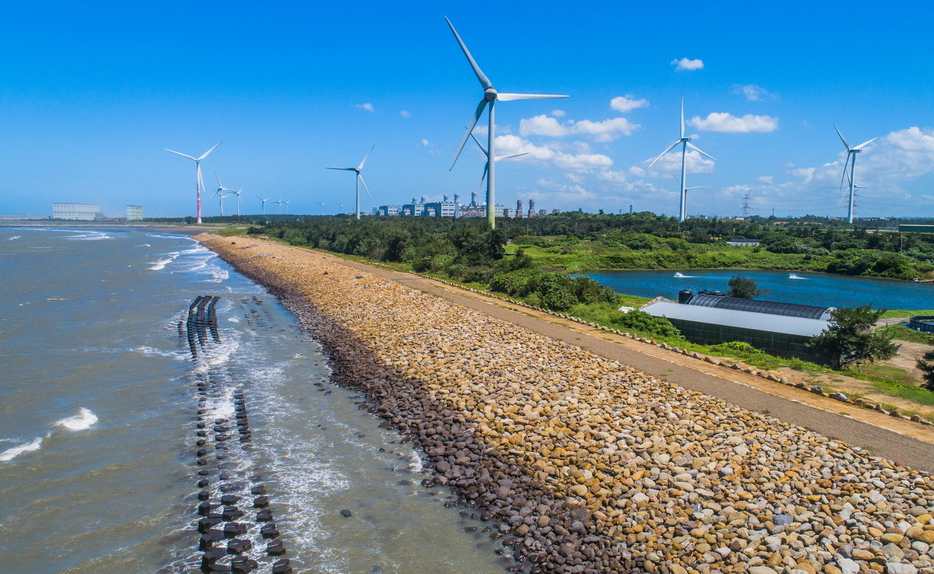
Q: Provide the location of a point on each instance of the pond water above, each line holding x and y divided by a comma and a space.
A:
792, 287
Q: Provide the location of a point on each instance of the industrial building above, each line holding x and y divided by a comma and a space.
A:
710, 318
76, 211
446, 208
134, 213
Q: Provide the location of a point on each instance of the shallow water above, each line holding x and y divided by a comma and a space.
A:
98, 412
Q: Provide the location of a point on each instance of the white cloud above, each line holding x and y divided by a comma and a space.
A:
753, 92
367, 106
612, 176
405, 114
425, 142
601, 131
765, 179
558, 113
685, 64
510, 144
627, 103
726, 122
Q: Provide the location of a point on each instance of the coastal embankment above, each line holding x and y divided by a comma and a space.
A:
584, 464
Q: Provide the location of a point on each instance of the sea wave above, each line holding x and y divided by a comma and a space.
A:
11, 453
91, 236
83, 420
679, 275
793, 276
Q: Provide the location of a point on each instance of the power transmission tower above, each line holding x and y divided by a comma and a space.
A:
746, 206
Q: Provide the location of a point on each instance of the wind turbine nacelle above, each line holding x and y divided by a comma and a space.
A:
489, 94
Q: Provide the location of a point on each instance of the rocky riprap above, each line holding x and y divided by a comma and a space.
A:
586, 465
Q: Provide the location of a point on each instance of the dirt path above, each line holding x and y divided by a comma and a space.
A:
893, 438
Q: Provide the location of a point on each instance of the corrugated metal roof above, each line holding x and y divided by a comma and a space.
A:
742, 319
757, 306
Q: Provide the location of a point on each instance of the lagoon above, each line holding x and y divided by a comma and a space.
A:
820, 289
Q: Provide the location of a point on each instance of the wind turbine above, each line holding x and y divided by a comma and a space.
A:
321, 203
220, 192
199, 182
486, 166
279, 203
286, 207
264, 200
685, 144
490, 97
358, 169
850, 166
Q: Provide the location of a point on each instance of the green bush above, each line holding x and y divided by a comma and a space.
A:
644, 323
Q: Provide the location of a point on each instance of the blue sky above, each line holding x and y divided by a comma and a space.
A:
92, 93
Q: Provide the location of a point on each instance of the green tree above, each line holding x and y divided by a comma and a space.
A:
743, 287
851, 337
926, 364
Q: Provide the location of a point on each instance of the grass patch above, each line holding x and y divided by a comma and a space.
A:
878, 372
903, 333
231, 231
905, 313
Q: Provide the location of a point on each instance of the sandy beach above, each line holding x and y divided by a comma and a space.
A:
585, 464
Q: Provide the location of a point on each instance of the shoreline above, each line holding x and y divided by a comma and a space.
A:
585, 464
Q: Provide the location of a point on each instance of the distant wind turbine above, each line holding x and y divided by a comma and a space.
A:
199, 181
220, 193
849, 167
279, 203
685, 144
490, 97
358, 169
264, 200
286, 207
486, 166
321, 203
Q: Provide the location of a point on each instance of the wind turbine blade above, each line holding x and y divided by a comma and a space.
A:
343, 168
181, 154
841, 137
700, 151
845, 176
476, 118
484, 81
483, 149
860, 146
360, 177
360, 167
486, 169
205, 154
510, 97
682, 116
668, 149
510, 156
219, 184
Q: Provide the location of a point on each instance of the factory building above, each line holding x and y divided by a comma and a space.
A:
76, 211
134, 213
710, 318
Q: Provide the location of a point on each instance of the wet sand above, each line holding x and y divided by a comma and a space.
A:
585, 464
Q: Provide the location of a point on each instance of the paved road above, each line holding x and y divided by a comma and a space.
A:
918, 454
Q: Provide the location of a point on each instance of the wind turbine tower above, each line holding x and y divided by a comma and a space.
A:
199, 181
358, 169
490, 97
685, 144
849, 167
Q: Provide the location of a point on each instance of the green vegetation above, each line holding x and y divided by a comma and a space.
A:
926, 364
903, 333
851, 337
743, 287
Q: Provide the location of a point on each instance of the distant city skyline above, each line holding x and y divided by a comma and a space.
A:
92, 94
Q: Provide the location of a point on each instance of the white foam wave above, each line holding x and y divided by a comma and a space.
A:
160, 265
415, 462
793, 276
221, 407
679, 275
13, 238
148, 351
11, 453
90, 236
83, 420
233, 319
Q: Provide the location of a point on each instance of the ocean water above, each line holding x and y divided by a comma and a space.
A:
101, 398
820, 289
